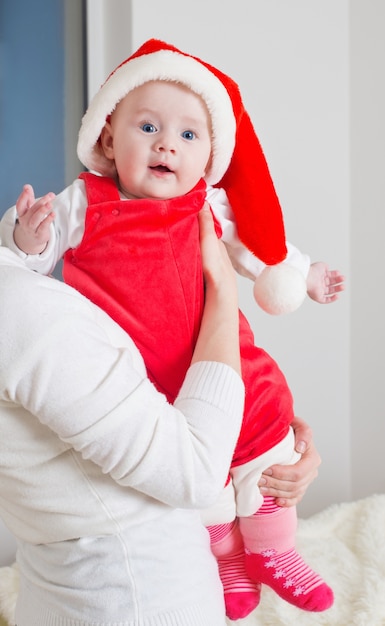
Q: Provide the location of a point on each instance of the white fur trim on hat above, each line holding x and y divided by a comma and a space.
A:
160, 65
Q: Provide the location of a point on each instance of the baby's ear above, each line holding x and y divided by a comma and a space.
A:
208, 165
106, 141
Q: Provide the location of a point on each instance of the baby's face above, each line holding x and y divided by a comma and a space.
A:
160, 139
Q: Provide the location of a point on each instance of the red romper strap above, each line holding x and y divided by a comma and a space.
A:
99, 188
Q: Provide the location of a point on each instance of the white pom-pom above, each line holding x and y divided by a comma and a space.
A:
279, 289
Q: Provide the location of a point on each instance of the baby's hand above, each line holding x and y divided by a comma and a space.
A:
324, 285
31, 232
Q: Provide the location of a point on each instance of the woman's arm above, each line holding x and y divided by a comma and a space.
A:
60, 364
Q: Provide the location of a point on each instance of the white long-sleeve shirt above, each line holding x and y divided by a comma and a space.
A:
99, 476
67, 231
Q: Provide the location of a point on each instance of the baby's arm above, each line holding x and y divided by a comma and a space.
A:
32, 227
324, 285
62, 229
244, 262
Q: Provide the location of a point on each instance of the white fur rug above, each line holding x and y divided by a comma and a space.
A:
345, 544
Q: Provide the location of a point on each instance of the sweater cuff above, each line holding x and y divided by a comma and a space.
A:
215, 383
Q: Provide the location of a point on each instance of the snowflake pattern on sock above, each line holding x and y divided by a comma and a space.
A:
289, 576
282, 573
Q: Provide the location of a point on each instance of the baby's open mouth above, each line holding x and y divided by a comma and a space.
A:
161, 168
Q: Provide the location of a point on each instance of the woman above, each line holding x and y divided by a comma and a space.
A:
100, 478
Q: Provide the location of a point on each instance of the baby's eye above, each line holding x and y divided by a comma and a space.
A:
188, 134
148, 128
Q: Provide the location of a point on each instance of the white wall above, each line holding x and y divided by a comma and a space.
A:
108, 39
367, 27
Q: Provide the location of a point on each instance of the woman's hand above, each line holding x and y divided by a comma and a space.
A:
219, 333
217, 268
288, 483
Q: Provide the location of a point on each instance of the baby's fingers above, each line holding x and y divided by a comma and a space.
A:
35, 215
334, 284
334, 277
25, 200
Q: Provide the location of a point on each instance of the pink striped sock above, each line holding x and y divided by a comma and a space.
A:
271, 558
241, 595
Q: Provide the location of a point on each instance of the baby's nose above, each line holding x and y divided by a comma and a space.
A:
165, 143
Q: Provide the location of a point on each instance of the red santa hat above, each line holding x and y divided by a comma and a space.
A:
237, 162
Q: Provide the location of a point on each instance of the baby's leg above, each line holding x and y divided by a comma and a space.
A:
269, 536
268, 413
241, 594
263, 441
271, 558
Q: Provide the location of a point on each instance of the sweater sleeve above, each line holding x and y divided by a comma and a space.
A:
60, 364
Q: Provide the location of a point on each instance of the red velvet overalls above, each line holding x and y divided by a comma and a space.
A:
139, 260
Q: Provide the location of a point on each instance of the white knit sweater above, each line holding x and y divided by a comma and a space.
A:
99, 476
